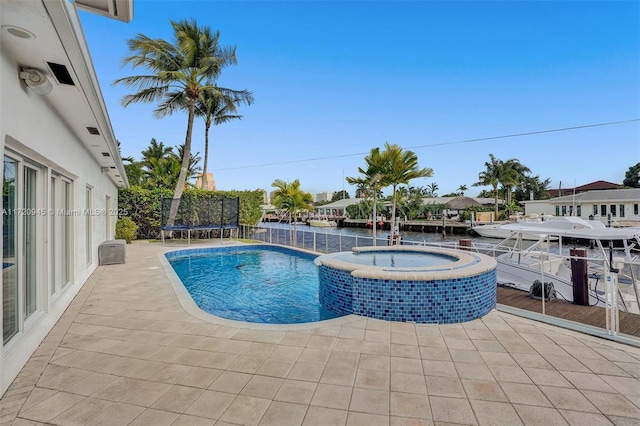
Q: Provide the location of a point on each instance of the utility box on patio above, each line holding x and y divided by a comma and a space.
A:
112, 252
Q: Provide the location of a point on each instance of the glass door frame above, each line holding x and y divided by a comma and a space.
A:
38, 214
60, 222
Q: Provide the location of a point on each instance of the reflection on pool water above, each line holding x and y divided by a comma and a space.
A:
260, 284
395, 259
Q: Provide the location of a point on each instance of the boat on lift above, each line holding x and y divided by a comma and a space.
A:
614, 249
497, 230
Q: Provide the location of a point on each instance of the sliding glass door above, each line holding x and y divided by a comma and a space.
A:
22, 221
30, 209
10, 305
60, 225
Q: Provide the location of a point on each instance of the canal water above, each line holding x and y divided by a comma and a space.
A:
329, 240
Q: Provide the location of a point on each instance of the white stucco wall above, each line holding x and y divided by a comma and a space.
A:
540, 207
30, 128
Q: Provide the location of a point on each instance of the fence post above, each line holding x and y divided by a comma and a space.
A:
340, 242
314, 242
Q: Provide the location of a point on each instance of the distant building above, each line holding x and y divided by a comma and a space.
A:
265, 197
337, 208
622, 204
599, 185
324, 196
210, 183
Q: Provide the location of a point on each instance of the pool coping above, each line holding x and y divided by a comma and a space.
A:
190, 306
467, 264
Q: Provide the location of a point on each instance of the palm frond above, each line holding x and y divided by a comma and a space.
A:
145, 95
172, 102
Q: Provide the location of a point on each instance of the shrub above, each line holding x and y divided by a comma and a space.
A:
126, 229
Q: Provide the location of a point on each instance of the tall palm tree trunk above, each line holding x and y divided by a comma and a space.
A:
182, 177
495, 198
206, 156
393, 217
374, 222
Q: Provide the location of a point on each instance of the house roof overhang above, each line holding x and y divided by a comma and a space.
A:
122, 10
49, 32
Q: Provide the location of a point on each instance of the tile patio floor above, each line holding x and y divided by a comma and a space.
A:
127, 352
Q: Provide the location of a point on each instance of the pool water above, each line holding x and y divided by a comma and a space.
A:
394, 259
254, 284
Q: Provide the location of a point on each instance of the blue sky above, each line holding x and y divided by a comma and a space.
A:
332, 80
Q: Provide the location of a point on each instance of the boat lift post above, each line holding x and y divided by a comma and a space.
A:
611, 277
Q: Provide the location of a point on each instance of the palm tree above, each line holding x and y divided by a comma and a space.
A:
371, 180
155, 150
513, 173
217, 107
432, 190
290, 198
532, 185
194, 160
161, 172
400, 168
491, 176
176, 71
461, 189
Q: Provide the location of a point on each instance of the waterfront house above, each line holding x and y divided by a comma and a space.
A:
619, 205
337, 208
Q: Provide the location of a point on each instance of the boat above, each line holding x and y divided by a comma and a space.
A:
497, 230
322, 223
520, 267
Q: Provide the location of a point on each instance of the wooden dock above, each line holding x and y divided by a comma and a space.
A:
451, 227
589, 315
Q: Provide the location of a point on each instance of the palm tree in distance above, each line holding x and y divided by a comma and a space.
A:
217, 107
491, 176
156, 150
290, 198
183, 69
194, 160
462, 189
513, 173
432, 190
400, 168
372, 179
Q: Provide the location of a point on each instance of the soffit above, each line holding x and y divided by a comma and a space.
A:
122, 10
57, 38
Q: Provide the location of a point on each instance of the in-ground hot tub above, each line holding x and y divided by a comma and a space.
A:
409, 284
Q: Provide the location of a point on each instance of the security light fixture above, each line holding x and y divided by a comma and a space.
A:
36, 80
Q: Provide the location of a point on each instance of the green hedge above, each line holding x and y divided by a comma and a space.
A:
143, 206
126, 229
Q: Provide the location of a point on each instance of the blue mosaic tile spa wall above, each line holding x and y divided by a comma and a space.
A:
424, 302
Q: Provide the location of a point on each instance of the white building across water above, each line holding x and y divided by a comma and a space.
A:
622, 206
61, 168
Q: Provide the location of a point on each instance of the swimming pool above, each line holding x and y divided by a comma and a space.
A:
259, 284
